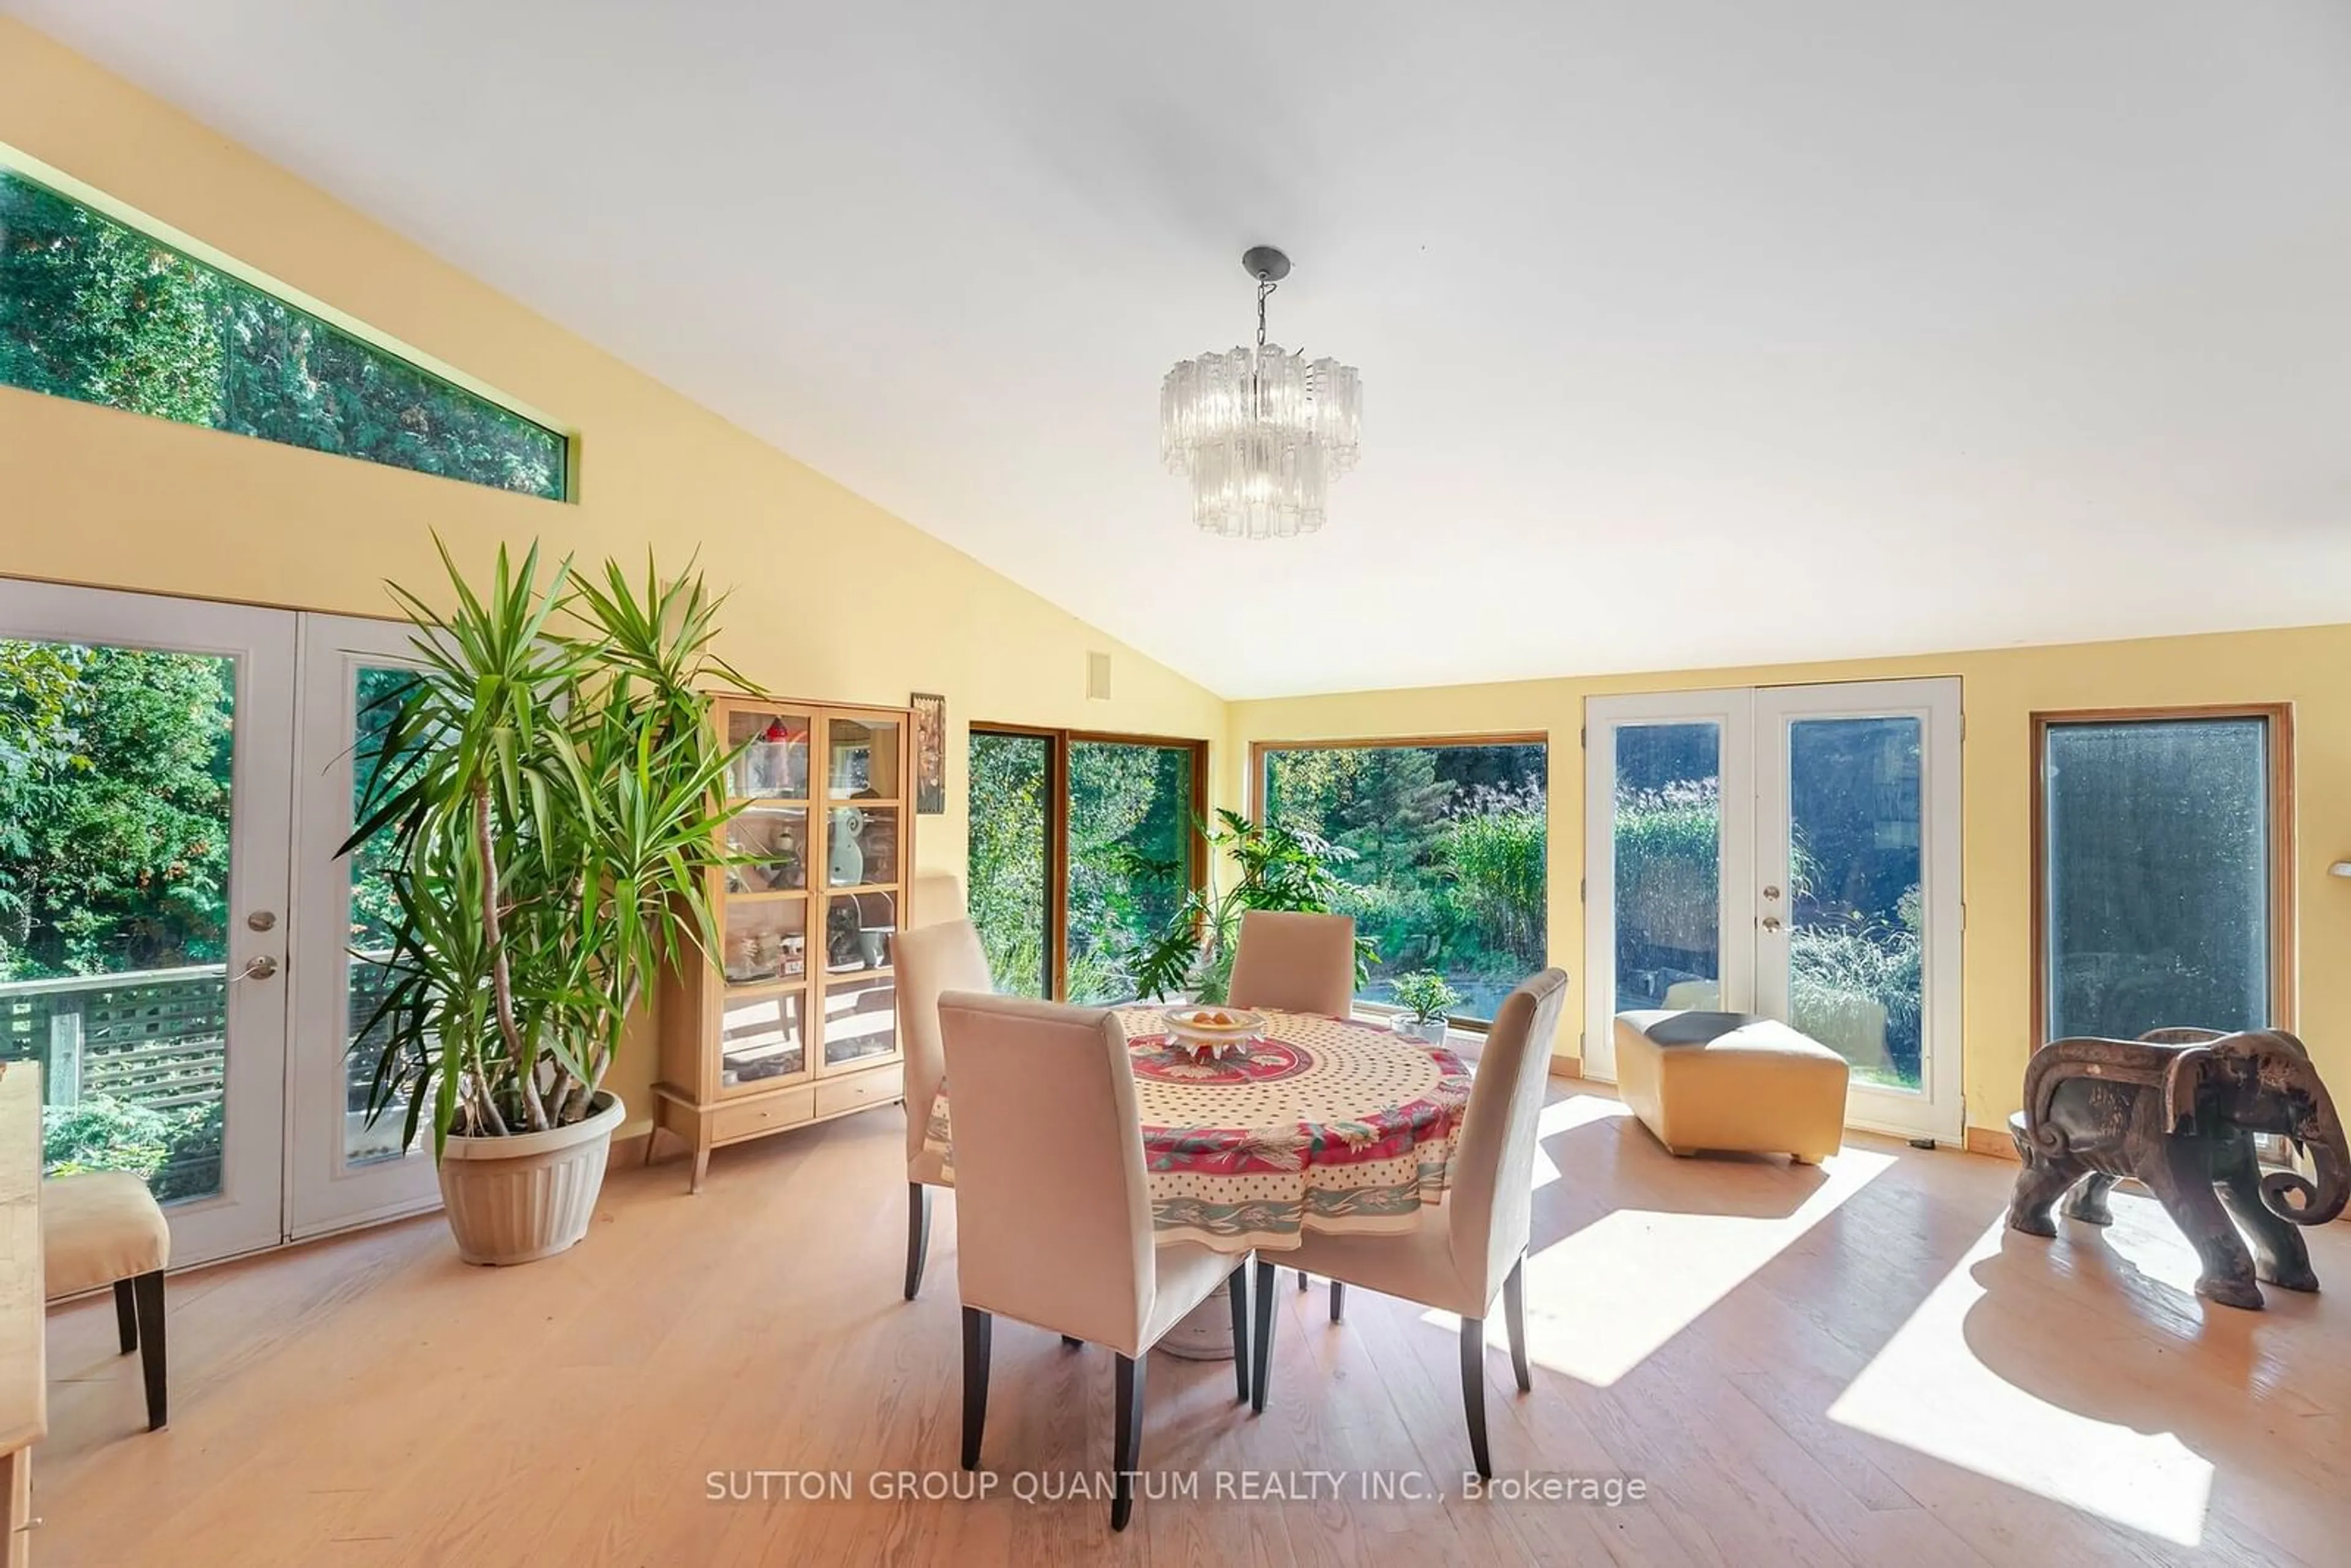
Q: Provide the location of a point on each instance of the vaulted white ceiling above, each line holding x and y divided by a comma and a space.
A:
1692, 331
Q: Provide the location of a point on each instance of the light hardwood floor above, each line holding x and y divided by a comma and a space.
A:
1850, 1364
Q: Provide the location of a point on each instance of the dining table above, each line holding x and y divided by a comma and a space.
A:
1312, 1123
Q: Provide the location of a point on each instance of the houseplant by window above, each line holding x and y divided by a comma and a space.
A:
1279, 867
553, 801
1427, 1000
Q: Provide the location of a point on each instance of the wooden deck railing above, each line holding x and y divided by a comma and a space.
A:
155, 1038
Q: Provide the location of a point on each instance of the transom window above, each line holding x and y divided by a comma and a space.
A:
93, 309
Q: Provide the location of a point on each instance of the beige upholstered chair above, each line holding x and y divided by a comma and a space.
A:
1295, 963
937, 897
1052, 1209
932, 960
1475, 1243
103, 1228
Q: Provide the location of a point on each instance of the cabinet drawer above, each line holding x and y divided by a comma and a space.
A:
750, 1118
878, 1087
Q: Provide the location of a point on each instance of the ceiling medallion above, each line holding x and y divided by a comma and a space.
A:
1261, 433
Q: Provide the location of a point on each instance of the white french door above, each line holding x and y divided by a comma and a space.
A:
1791, 851
144, 867
175, 778
342, 1169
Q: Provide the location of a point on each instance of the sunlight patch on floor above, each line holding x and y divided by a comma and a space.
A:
1928, 1391
1564, 1116
1604, 1299
2143, 1238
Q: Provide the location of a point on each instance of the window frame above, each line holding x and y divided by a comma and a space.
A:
2277, 719
15, 161
1058, 742
1259, 751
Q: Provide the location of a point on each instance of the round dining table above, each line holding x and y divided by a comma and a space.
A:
1320, 1123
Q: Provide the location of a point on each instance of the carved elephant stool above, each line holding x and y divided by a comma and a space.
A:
2177, 1109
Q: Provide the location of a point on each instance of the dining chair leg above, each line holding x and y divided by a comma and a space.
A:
1262, 1340
1514, 1307
976, 1327
126, 1316
1236, 1288
147, 1295
1473, 1390
918, 1235
1127, 1437
1338, 1299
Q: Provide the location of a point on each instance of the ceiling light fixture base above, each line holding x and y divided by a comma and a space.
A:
1265, 264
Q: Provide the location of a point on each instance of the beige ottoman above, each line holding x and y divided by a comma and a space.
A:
1732, 1081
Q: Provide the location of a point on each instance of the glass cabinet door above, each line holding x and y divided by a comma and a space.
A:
861, 1022
766, 847
763, 1003
770, 747
762, 1039
863, 827
861, 759
862, 846
766, 941
861, 930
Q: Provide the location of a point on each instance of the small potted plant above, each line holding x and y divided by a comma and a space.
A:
1426, 1001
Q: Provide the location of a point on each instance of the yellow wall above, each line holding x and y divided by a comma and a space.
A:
837, 599
833, 596
2310, 668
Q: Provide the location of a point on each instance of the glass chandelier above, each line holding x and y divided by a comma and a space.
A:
1261, 433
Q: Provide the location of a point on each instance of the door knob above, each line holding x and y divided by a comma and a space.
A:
1771, 923
259, 968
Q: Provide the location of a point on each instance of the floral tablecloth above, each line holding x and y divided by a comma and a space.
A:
1324, 1124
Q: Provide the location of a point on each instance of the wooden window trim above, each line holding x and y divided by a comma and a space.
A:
2283, 943
1057, 825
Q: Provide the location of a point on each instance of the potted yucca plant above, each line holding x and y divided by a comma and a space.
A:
550, 799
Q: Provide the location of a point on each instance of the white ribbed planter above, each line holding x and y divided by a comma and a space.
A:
515, 1200
1204, 1334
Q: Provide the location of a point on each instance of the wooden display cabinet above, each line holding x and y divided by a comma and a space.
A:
797, 1020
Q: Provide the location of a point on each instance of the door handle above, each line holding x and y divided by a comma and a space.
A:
259, 968
1771, 923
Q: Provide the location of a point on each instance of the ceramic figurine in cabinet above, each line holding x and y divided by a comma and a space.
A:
848, 860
